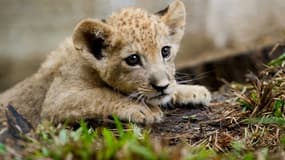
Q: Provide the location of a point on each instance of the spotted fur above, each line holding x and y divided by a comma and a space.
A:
89, 75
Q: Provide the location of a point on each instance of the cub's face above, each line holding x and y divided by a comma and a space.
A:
134, 51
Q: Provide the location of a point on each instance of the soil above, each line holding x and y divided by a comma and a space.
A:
216, 124
196, 123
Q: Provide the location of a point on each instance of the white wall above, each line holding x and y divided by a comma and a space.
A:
29, 29
38, 26
243, 22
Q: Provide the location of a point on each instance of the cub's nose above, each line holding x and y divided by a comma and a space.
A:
159, 88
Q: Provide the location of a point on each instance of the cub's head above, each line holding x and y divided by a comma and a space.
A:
133, 51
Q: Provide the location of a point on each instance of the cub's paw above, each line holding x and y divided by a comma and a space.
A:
141, 114
193, 94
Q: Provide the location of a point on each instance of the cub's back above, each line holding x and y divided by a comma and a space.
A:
28, 95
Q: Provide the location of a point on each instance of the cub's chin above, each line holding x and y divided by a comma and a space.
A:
159, 100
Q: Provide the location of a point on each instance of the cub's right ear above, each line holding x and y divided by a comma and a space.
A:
92, 36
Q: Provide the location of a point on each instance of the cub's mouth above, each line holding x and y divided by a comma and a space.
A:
159, 96
160, 99
153, 97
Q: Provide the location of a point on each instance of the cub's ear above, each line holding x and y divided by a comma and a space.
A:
92, 36
174, 17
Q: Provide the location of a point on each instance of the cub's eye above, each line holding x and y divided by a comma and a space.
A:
165, 51
133, 60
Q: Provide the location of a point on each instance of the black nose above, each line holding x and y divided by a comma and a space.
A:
159, 88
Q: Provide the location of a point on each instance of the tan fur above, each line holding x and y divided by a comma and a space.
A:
79, 81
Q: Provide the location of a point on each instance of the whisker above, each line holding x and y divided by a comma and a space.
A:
180, 75
183, 74
203, 74
143, 101
134, 95
147, 90
181, 78
198, 77
139, 98
144, 89
186, 80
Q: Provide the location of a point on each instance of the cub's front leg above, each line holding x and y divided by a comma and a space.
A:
73, 104
191, 94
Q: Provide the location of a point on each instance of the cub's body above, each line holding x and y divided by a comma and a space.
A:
122, 66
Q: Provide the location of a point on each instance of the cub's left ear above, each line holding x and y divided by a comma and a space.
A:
93, 36
174, 17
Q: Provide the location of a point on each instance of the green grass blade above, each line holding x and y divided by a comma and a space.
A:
278, 61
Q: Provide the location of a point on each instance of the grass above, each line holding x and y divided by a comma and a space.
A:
132, 143
87, 143
264, 102
261, 134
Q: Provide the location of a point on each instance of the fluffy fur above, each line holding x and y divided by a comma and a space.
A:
89, 76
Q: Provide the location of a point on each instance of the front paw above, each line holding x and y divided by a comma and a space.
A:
141, 114
193, 94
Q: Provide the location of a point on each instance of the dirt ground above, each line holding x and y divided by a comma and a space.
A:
195, 123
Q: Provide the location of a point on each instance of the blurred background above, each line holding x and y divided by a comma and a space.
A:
30, 29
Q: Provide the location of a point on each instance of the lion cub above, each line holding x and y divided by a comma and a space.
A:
121, 66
